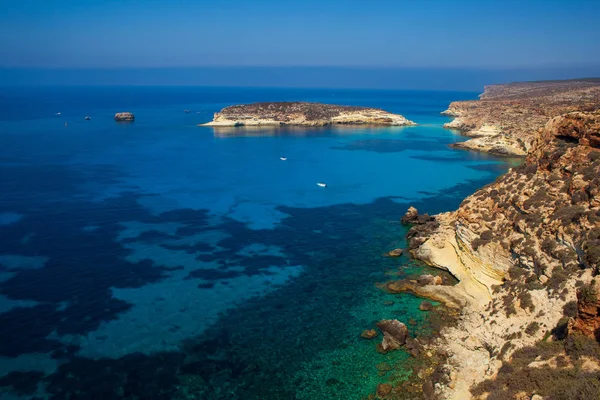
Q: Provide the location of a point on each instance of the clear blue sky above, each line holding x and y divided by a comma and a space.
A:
375, 33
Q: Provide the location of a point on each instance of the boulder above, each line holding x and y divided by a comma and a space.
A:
394, 334
124, 116
394, 253
410, 215
368, 334
383, 390
429, 280
413, 347
587, 320
425, 306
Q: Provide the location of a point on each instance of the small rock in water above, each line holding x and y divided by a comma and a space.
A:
394, 334
395, 253
368, 334
389, 303
411, 321
124, 116
384, 390
383, 367
425, 306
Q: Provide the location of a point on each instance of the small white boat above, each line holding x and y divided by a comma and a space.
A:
58, 113
88, 118
283, 158
322, 184
186, 111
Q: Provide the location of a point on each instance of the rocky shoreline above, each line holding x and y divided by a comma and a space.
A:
525, 250
505, 119
303, 114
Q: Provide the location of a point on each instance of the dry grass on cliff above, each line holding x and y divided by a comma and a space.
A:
558, 370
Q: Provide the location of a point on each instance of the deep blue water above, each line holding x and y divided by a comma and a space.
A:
162, 260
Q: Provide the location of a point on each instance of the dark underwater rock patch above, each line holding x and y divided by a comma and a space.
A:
22, 383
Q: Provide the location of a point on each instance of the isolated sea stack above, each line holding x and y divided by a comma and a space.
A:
124, 116
304, 114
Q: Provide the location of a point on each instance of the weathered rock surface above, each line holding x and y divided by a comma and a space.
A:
412, 216
394, 334
305, 114
394, 253
506, 117
368, 334
518, 246
425, 306
587, 320
124, 116
383, 390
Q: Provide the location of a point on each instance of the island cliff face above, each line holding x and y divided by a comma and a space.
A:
305, 114
524, 248
506, 117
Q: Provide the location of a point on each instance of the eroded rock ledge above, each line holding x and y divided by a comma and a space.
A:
304, 114
521, 247
505, 119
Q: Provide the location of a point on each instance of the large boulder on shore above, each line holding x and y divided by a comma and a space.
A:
412, 216
124, 116
394, 334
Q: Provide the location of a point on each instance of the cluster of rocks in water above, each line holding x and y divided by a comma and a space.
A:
124, 117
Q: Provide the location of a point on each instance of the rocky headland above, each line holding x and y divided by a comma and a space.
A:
303, 114
506, 117
526, 250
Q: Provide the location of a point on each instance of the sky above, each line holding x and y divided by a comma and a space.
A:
357, 34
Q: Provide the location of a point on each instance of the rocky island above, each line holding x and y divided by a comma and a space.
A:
525, 249
303, 114
124, 117
505, 119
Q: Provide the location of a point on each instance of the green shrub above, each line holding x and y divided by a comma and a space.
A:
526, 301
532, 328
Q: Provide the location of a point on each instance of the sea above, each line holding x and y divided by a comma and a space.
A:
160, 259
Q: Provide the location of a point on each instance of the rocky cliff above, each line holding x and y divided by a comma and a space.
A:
303, 113
524, 246
506, 117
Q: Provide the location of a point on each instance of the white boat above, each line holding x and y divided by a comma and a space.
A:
88, 118
283, 158
321, 184
58, 113
186, 111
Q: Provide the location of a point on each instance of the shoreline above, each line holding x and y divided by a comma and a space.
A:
468, 242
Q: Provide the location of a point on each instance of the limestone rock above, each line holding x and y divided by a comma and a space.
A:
124, 116
425, 306
429, 280
410, 215
383, 390
369, 334
505, 119
587, 320
394, 253
394, 334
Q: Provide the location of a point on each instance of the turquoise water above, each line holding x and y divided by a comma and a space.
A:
162, 260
